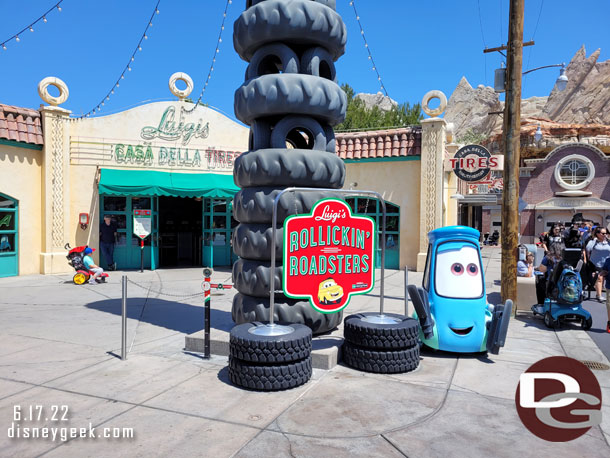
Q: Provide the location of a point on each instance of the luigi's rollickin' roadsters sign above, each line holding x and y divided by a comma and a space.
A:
328, 255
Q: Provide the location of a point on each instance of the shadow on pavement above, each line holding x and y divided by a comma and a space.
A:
177, 316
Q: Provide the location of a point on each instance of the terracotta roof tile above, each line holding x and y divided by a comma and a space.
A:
20, 124
401, 142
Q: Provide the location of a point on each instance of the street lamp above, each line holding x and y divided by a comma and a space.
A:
538, 134
500, 77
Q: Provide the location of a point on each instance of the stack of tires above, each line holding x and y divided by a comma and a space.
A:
270, 363
291, 101
385, 348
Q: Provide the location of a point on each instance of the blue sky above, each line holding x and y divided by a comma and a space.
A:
417, 46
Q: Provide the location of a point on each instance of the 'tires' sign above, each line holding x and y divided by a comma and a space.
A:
474, 162
328, 256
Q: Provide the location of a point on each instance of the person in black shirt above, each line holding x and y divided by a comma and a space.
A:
108, 233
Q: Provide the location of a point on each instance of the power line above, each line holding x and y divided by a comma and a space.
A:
529, 54
217, 50
30, 27
368, 48
483, 37
127, 67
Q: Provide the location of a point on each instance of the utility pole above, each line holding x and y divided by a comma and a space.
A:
511, 138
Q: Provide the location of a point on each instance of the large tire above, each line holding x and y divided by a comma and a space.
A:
265, 60
330, 3
247, 309
254, 277
292, 22
380, 362
401, 335
289, 93
253, 241
318, 62
257, 348
289, 167
260, 135
255, 205
269, 378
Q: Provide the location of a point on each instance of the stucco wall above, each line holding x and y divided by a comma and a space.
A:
399, 183
20, 178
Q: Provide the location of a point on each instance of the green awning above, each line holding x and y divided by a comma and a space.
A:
152, 183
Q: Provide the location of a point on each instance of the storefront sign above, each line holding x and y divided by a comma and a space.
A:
153, 156
142, 223
474, 162
172, 130
328, 256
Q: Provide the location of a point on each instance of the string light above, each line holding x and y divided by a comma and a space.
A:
217, 50
30, 27
127, 67
368, 48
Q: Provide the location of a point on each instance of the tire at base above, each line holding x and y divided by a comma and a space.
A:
281, 349
380, 362
400, 335
269, 378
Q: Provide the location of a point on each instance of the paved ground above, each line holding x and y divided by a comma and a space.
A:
58, 344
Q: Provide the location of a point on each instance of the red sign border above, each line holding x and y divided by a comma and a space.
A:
310, 214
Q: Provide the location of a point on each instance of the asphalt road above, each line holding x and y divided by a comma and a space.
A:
598, 331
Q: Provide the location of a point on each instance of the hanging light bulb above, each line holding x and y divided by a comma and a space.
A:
17, 39
132, 58
146, 37
44, 19
112, 92
59, 8
139, 48
4, 47
107, 98
123, 76
117, 84
31, 29
150, 24
157, 11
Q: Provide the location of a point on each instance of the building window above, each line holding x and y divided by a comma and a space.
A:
574, 172
9, 236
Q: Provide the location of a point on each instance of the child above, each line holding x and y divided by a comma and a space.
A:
89, 264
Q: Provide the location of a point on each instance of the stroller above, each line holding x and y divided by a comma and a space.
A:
75, 259
494, 238
564, 298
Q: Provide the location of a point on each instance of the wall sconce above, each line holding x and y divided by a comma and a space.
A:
539, 218
83, 219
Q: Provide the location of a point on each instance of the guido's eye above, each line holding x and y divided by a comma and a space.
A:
457, 268
472, 269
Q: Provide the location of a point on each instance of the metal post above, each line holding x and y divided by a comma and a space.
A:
124, 320
406, 293
511, 136
206, 342
141, 255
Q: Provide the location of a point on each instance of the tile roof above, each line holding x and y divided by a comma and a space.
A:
20, 124
379, 144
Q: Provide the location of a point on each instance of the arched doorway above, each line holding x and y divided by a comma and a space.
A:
9, 236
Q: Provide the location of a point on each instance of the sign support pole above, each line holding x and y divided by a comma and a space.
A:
207, 273
141, 255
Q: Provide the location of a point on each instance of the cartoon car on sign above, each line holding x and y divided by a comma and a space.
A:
451, 304
329, 292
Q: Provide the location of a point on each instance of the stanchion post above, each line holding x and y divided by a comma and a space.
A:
207, 272
141, 255
124, 320
406, 293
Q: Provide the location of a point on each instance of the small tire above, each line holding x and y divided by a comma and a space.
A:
549, 322
247, 309
254, 278
380, 362
298, 22
79, 278
255, 205
269, 378
401, 335
289, 167
266, 58
253, 241
318, 62
289, 93
587, 323
256, 348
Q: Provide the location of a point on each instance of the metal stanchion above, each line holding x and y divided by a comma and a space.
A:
406, 293
207, 272
124, 321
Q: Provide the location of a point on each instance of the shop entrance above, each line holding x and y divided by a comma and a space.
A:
180, 231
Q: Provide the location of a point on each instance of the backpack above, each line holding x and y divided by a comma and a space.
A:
569, 287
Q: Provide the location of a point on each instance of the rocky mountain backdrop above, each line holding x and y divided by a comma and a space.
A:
586, 100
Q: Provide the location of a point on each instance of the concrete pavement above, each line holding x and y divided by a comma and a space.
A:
58, 344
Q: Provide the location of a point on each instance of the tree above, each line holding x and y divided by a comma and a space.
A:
358, 116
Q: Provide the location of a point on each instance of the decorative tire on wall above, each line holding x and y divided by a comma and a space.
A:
387, 347
381, 362
265, 362
291, 22
294, 167
250, 308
